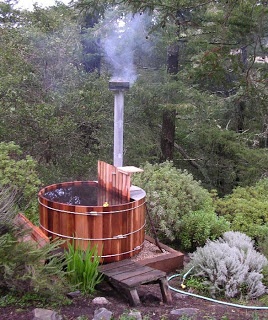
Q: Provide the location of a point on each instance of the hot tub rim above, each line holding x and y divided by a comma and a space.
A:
134, 195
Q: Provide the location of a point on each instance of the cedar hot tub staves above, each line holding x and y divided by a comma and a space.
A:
117, 228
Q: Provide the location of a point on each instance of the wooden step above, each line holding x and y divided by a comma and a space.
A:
129, 275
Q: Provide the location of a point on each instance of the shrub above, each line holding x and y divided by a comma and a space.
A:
19, 172
199, 226
7, 210
247, 209
22, 267
82, 267
263, 246
172, 195
230, 266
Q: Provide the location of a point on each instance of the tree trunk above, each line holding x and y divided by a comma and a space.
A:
168, 134
168, 117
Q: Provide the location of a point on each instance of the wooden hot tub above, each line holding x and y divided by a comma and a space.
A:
114, 223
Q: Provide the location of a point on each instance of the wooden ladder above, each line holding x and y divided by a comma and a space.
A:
129, 275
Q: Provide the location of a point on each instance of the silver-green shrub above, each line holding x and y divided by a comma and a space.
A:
230, 266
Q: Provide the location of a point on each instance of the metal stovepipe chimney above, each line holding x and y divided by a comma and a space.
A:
118, 87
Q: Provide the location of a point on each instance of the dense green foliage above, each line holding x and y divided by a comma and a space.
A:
22, 264
247, 209
57, 107
198, 226
19, 172
181, 208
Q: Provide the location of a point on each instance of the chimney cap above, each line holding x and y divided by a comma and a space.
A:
118, 85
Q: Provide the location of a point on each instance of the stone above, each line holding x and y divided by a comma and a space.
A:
45, 314
74, 294
102, 314
181, 296
100, 300
184, 312
135, 315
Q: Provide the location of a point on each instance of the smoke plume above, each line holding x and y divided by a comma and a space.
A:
124, 38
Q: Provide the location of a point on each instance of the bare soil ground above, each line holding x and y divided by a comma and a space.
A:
151, 307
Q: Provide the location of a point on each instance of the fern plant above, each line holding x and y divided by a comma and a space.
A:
82, 267
230, 266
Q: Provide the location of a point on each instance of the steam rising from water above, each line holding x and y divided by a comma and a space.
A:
124, 38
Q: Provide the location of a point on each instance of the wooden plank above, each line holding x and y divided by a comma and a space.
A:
141, 279
130, 169
166, 294
133, 297
131, 274
115, 273
107, 231
36, 233
115, 265
125, 272
114, 180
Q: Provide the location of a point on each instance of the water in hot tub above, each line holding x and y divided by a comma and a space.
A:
83, 195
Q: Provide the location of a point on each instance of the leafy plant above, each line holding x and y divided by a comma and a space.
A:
263, 246
22, 264
230, 266
247, 209
175, 201
197, 284
82, 267
19, 173
23, 268
199, 226
7, 210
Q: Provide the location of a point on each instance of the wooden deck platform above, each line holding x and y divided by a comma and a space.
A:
127, 275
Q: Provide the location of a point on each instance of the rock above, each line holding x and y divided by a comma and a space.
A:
150, 298
102, 314
45, 314
181, 296
135, 315
184, 312
74, 294
100, 300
